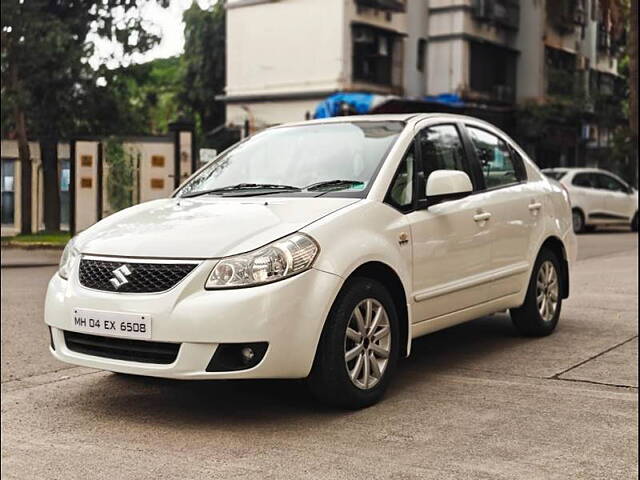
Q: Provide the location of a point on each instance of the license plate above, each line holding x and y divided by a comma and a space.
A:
114, 324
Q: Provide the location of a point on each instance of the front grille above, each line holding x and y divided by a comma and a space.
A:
141, 277
121, 348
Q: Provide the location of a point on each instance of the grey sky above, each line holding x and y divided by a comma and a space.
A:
168, 24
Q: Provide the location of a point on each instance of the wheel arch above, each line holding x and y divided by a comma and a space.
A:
388, 277
556, 245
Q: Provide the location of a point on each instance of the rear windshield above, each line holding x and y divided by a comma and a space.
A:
555, 174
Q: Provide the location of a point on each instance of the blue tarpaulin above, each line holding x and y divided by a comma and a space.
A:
358, 103
452, 99
361, 103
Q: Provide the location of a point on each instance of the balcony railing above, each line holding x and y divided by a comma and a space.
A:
388, 5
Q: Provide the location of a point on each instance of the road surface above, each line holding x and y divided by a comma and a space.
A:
474, 401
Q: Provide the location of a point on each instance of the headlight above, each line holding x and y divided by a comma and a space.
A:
68, 258
278, 260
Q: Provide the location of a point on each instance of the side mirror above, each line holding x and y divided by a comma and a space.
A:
447, 185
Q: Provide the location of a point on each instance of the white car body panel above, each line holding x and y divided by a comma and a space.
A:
215, 227
452, 267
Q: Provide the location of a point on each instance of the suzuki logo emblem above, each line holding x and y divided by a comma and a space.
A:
120, 275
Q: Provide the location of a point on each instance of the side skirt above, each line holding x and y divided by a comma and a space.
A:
450, 319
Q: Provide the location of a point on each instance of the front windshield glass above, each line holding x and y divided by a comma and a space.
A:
336, 157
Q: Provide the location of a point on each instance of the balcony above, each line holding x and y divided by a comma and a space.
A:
397, 6
503, 13
565, 15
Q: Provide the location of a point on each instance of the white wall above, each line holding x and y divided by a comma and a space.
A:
530, 43
415, 81
447, 67
285, 46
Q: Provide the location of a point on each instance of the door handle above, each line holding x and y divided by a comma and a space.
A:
482, 217
535, 206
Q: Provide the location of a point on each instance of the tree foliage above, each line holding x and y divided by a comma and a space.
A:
204, 65
48, 88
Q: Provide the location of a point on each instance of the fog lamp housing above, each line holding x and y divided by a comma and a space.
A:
231, 357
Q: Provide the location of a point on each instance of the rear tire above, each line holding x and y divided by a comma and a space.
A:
634, 223
578, 220
539, 314
357, 354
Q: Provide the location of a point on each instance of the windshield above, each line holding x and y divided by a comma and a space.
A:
330, 157
555, 174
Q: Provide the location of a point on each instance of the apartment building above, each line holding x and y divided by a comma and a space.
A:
285, 56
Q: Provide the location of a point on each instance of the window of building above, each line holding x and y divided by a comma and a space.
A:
499, 164
561, 71
8, 190
65, 180
372, 54
421, 54
492, 71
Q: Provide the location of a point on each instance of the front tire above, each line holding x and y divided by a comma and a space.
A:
539, 314
359, 347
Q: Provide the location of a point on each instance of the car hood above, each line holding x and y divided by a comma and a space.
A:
203, 227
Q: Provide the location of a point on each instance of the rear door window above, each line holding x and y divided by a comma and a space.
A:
499, 163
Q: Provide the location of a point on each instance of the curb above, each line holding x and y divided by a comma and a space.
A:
28, 265
31, 246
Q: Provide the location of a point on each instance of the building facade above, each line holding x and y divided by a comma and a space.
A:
285, 56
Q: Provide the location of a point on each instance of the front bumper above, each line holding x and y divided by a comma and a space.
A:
288, 314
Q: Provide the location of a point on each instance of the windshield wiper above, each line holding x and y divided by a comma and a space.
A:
243, 186
333, 184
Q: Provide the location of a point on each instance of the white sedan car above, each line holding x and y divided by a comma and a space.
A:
598, 198
318, 250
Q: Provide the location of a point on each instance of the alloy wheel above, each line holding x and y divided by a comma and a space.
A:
367, 343
547, 291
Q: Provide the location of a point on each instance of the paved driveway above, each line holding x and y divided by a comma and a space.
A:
473, 401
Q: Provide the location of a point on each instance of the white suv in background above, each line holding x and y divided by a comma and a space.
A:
598, 197
318, 249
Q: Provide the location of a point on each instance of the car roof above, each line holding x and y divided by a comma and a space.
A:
402, 117
578, 170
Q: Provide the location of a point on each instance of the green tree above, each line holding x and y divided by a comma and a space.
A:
204, 65
145, 95
47, 85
